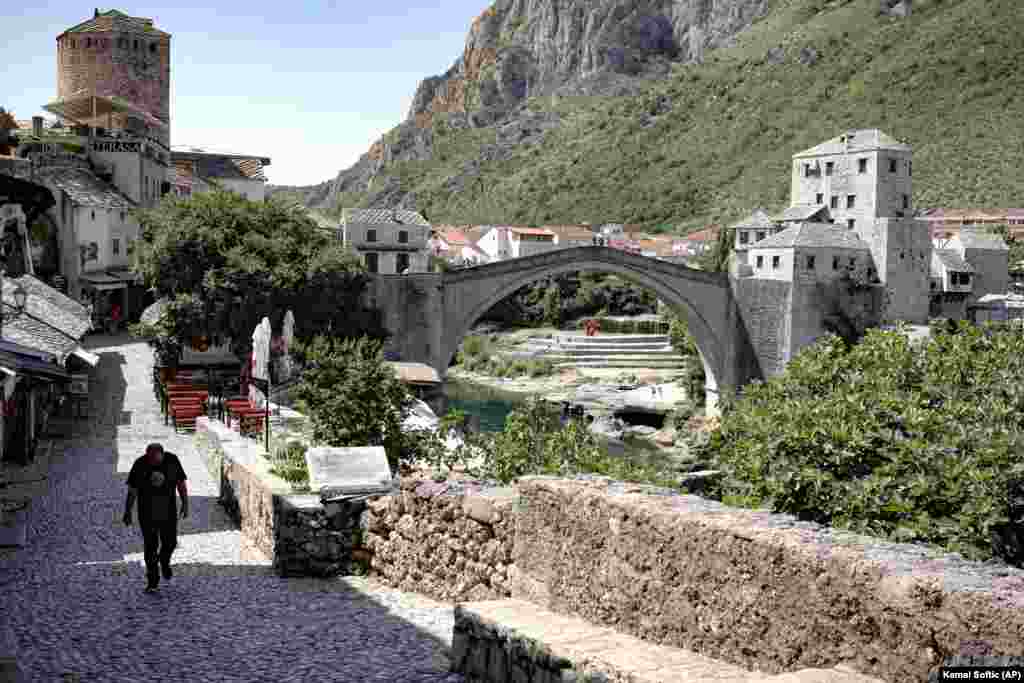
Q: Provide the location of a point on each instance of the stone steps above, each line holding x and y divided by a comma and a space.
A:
583, 350
617, 362
606, 340
501, 641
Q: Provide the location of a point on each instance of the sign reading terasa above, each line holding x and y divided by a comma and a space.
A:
116, 146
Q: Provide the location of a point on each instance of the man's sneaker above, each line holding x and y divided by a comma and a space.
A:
166, 569
151, 587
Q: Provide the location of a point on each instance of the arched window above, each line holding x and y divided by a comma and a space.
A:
152, 48
88, 42
136, 45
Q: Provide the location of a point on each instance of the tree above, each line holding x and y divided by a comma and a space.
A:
1016, 245
914, 442
715, 258
351, 396
225, 262
553, 305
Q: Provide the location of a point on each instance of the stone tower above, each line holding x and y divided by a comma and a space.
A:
113, 54
864, 177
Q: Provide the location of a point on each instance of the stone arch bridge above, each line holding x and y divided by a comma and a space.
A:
737, 324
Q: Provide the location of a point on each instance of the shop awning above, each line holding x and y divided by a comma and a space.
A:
90, 358
83, 107
106, 281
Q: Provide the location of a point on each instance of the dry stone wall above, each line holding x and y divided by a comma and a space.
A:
761, 590
449, 540
315, 539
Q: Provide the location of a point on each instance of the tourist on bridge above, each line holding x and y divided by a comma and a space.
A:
153, 480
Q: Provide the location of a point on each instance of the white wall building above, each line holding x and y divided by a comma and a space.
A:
502, 242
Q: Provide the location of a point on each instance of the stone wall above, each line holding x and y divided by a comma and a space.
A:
765, 310
449, 540
760, 590
315, 539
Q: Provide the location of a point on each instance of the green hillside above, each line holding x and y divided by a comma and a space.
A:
949, 80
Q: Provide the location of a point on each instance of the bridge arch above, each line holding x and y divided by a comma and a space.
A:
702, 299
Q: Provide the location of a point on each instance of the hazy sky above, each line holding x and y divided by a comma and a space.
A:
310, 84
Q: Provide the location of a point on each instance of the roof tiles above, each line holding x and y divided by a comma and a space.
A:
951, 259
382, 216
84, 188
855, 141
812, 236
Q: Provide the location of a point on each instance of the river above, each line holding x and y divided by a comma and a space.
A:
493, 405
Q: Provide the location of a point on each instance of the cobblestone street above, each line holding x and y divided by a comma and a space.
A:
74, 599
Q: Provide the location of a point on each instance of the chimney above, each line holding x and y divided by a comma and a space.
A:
37, 126
96, 13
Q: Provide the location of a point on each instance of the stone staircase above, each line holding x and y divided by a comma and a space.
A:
606, 351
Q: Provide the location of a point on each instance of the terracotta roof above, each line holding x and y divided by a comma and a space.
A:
758, 219
115, 20
84, 188
855, 141
703, 235
951, 259
531, 231
812, 235
385, 216
456, 238
571, 231
960, 215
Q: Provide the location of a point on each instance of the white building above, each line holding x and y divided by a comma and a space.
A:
389, 241
455, 247
852, 212
503, 242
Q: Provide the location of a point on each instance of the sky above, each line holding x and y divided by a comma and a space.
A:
309, 84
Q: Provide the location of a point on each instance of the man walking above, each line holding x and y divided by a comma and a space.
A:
152, 480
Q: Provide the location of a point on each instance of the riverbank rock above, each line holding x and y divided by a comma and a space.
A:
666, 436
608, 427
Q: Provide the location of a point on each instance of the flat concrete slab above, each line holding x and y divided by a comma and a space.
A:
505, 640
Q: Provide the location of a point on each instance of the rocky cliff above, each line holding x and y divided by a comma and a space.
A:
517, 49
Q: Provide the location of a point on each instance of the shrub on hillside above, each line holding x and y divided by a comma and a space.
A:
914, 442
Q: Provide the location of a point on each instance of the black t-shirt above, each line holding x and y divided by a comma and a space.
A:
156, 485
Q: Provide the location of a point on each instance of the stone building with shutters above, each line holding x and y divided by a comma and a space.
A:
388, 241
851, 218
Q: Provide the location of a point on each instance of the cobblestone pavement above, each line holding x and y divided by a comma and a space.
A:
74, 595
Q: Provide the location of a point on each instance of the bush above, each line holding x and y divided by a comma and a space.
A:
475, 345
910, 442
290, 464
351, 397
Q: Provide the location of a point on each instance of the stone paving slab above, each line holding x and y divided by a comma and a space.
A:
73, 601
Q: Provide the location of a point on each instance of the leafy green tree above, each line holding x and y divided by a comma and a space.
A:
683, 342
553, 305
352, 397
225, 262
1016, 245
914, 442
715, 258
